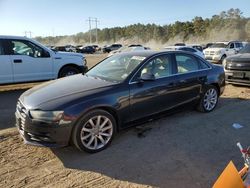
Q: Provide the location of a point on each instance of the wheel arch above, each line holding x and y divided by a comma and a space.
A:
108, 109
67, 65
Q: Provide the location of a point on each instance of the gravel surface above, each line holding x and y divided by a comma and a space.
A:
186, 149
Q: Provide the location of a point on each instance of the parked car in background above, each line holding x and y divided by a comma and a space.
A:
24, 60
196, 46
220, 50
70, 48
86, 49
130, 48
237, 67
179, 44
97, 48
110, 48
207, 45
117, 93
59, 48
135, 45
187, 49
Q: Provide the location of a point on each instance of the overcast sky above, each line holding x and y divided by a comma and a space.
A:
65, 17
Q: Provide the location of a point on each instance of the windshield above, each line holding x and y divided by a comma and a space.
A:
246, 49
116, 68
218, 45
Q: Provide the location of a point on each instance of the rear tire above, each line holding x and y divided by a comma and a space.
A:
68, 71
94, 131
209, 99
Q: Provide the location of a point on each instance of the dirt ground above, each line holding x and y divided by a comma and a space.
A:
186, 149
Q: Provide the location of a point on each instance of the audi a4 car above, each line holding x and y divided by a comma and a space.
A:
121, 91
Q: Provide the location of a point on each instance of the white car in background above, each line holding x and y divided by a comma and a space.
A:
187, 49
23, 60
220, 50
127, 49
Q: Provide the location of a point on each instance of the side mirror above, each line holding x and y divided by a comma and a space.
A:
147, 77
45, 54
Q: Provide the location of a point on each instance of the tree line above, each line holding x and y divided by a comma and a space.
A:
228, 25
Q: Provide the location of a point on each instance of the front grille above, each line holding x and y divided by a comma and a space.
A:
27, 133
22, 113
209, 52
238, 66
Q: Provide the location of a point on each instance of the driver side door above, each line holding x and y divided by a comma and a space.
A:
153, 96
30, 62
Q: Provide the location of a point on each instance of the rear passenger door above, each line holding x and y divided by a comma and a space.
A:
192, 74
6, 74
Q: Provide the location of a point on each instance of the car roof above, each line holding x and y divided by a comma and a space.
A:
12, 37
177, 47
148, 53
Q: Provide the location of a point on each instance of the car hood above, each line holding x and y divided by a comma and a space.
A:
62, 88
213, 49
68, 54
239, 58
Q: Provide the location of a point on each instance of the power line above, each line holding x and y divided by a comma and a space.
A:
90, 20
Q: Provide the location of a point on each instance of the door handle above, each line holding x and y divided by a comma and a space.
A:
18, 61
202, 79
182, 81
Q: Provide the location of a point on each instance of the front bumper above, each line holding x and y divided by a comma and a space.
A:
213, 58
83, 68
238, 77
42, 133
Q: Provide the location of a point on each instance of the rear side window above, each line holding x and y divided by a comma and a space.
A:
203, 65
239, 45
186, 63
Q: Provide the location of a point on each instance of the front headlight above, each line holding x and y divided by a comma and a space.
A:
84, 61
224, 62
46, 115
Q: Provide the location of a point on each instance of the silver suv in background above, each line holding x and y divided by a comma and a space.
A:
220, 50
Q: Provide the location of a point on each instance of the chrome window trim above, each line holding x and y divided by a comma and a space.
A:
174, 75
130, 81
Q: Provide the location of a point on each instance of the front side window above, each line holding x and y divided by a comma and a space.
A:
160, 67
19, 47
231, 45
186, 63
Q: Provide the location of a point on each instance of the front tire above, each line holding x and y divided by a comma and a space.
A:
209, 99
68, 71
94, 131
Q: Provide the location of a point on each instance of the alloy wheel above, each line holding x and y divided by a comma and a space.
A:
210, 99
96, 132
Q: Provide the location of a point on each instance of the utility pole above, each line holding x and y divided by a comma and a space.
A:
96, 35
90, 20
27, 34
90, 35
